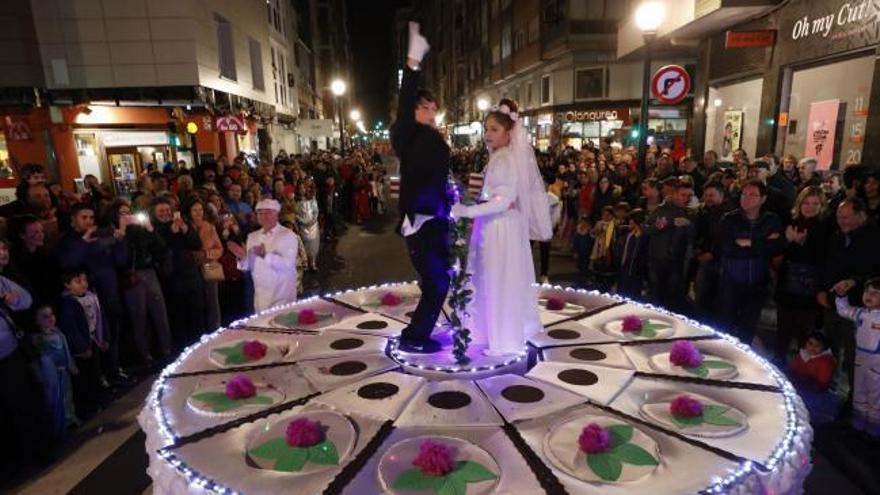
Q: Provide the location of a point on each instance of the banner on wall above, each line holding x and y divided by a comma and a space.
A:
731, 138
822, 125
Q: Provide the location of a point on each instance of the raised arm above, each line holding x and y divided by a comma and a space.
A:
405, 123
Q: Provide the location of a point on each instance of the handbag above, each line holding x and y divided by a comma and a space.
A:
212, 271
800, 279
25, 344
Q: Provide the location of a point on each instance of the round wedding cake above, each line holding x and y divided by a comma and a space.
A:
612, 396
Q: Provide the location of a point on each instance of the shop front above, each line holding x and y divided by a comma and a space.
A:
467, 134
580, 127
806, 93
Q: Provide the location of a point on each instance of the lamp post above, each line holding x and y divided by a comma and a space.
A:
337, 87
648, 18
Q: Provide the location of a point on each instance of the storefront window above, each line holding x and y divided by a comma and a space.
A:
6, 171
577, 134
828, 109
732, 114
87, 155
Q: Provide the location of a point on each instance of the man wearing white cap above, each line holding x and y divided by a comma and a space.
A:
270, 256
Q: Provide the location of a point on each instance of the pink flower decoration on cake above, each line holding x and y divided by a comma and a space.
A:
685, 354
631, 323
555, 303
390, 299
240, 387
434, 459
594, 439
307, 317
254, 349
684, 406
304, 433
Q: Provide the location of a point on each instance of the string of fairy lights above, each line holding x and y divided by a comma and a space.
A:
787, 458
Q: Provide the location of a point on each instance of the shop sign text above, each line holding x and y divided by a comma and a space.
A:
849, 12
589, 115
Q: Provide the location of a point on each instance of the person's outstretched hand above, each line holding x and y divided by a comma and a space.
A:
418, 45
459, 211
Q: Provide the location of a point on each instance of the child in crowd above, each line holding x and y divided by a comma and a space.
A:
631, 255
600, 258
866, 389
57, 369
82, 324
582, 245
811, 371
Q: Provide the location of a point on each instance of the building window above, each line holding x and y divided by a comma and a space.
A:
225, 47
589, 83
505, 42
496, 54
529, 94
533, 29
545, 89
256, 63
519, 40
551, 12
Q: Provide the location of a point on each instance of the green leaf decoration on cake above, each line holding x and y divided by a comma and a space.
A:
608, 465
702, 370
293, 459
454, 483
291, 319
233, 354
219, 402
650, 330
712, 415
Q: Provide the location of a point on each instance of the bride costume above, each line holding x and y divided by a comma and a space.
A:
514, 208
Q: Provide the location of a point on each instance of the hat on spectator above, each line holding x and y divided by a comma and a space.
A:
268, 204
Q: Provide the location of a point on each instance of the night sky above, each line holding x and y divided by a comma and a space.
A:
370, 30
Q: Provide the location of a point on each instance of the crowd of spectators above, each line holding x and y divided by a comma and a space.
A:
723, 241
98, 288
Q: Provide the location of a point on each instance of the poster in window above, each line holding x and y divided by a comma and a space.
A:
731, 137
821, 128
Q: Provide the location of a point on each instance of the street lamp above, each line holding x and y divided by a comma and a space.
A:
355, 115
482, 104
648, 17
337, 87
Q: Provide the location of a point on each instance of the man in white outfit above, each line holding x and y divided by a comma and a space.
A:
270, 256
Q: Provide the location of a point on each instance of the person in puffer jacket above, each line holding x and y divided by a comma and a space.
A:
749, 239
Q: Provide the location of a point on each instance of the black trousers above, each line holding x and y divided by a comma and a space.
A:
665, 283
429, 253
24, 425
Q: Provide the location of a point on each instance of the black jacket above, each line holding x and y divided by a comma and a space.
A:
424, 157
749, 265
671, 243
180, 272
855, 256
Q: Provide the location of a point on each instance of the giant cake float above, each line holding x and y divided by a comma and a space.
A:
612, 396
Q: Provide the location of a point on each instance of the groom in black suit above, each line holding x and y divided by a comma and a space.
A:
424, 202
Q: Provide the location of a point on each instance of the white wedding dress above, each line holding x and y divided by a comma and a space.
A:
504, 310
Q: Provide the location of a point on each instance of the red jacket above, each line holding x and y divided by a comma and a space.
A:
814, 371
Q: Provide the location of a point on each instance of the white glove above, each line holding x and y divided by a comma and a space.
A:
418, 45
459, 211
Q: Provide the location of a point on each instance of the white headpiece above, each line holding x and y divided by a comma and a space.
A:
268, 204
503, 108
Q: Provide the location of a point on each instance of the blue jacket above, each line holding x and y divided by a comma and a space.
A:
749, 265
100, 259
75, 326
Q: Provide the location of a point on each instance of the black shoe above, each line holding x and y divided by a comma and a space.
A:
427, 346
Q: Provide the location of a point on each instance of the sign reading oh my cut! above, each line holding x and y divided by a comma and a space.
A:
856, 12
